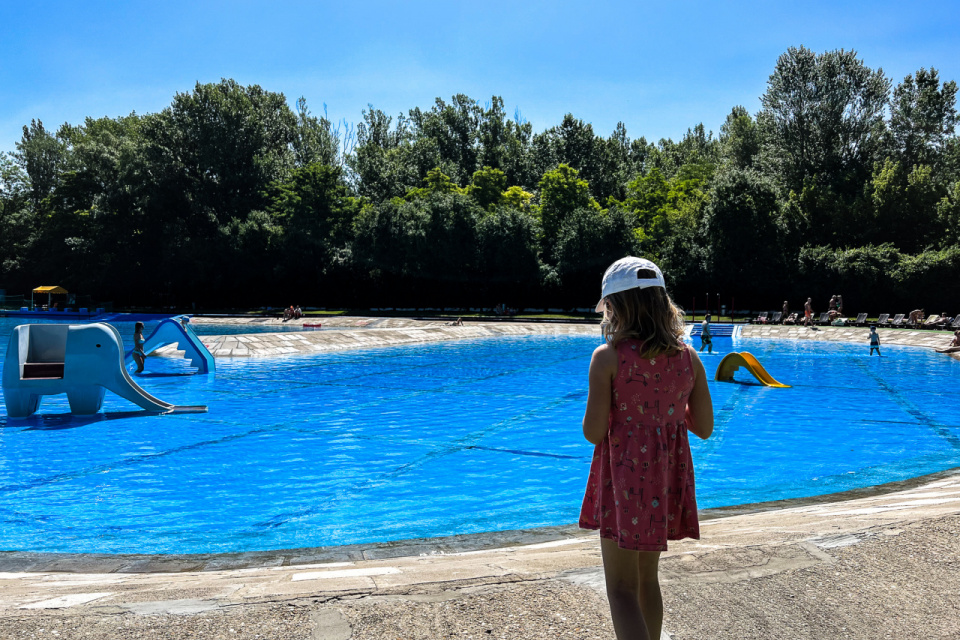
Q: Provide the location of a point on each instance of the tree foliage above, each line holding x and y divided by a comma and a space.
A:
841, 182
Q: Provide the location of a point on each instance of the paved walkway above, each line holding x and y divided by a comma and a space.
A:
931, 339
881, 566
359, 333
380, 332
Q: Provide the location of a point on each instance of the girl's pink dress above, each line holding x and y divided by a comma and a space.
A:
640, 491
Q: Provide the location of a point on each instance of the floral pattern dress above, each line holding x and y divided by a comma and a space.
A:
640, 491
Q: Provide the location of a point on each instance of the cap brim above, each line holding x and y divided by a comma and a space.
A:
599, 308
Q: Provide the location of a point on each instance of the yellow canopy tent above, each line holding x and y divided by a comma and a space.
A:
49, 291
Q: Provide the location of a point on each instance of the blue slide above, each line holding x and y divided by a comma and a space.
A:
172, 331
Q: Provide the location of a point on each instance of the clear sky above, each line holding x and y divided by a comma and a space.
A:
658, 67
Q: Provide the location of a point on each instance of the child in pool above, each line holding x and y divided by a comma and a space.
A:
138, 355
647, 388
874, 340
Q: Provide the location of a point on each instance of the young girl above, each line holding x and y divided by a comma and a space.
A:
138, 355
647, 388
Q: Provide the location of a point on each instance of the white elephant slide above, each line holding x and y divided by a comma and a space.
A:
81, 360
176, 331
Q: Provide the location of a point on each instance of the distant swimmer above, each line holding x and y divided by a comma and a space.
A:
874, 341
706, 340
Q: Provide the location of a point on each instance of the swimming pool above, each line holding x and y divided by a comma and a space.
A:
437, 439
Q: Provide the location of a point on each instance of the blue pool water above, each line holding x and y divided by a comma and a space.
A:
439, 439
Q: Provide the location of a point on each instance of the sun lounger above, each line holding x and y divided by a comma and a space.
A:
791, 319
824, 318
762, 318
776, 317
931, 322
861, 320
956, 322
883, 320
898, 321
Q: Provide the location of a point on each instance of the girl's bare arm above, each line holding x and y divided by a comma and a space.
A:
603, 368
699, 405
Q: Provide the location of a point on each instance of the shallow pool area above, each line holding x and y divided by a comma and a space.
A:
445, 438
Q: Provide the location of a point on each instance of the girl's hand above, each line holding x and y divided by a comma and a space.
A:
699, 416
596, 418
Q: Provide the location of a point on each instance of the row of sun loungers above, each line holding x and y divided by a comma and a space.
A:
900, 320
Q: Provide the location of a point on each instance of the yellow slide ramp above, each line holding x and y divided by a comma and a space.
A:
733, 361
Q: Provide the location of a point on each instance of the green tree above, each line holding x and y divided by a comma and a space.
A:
17, 217
227, 142
316, 213
435, 182
509, 266
948, 215
561, 193
487, 187
905, 207
588, 241
923, 115
317, 140
386, 164
42, 156
740, 228
517, 198
740, 139
823, 118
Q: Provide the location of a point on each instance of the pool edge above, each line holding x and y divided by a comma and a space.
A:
41, 562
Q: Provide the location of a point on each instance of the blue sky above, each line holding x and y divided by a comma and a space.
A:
658, 67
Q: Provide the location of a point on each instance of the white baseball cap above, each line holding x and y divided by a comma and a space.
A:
624, 274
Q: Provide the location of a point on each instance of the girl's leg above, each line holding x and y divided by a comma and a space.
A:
631, 596
651, 601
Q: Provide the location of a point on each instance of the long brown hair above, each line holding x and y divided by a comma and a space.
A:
644, 314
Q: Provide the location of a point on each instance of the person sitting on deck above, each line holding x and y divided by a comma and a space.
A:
954, 344
942, 322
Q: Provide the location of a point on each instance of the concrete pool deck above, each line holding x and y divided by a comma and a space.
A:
870, 567
862, 565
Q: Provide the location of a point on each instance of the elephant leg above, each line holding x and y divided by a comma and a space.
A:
21, 404
86, 400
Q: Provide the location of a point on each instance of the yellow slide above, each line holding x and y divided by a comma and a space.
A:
733, 361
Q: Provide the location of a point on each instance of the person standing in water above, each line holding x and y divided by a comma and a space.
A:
874, 340
706, 340
138, 355
646, 390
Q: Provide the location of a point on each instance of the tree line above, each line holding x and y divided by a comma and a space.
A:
842, 182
